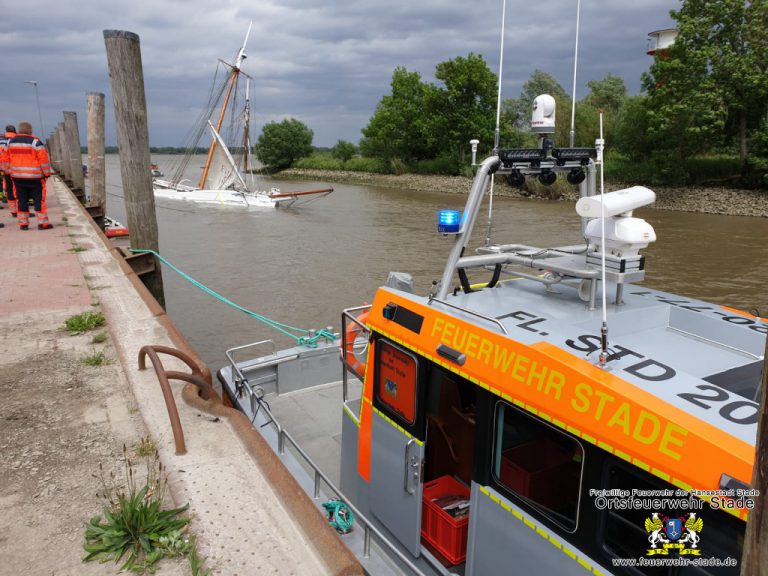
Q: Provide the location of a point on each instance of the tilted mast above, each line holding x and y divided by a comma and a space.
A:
246, 132
232, 79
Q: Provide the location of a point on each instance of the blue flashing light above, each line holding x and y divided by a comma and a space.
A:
448, 221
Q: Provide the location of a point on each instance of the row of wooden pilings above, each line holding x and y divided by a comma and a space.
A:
127, 80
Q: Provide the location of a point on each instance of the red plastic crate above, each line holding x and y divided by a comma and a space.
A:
537, 470
446, 533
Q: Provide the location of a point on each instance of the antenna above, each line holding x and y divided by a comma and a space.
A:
575, 62
600, 145
497, 133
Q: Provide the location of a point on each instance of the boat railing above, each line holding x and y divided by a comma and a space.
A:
239, 370
350, 316
319, 477
472, 313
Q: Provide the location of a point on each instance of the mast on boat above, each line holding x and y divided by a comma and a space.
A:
247, 131
232, 80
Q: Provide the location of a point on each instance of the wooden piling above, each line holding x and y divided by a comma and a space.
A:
53, 152
754, 558
75, 156
66, 166
127, 79
97, 175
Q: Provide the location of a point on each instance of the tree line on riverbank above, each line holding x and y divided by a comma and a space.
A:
702, 115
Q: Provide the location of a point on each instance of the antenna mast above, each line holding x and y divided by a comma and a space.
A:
497, 132
600, 145
575, 62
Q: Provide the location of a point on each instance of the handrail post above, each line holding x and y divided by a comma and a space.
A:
367, 542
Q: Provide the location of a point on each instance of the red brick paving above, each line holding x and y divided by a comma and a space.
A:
38, 273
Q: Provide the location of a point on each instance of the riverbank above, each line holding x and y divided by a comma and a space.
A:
76, 405
709, 200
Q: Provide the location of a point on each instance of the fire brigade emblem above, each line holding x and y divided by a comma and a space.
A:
680, 534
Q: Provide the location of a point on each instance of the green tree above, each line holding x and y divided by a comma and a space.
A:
632, 130
420, 121
343, 150
686, 112
396, 129
607, 94
464, 107
282, 143
715, 76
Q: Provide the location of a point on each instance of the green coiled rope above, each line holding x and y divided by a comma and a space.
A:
290, 331
340, 517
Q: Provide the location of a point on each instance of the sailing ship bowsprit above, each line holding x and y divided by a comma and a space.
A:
223, 180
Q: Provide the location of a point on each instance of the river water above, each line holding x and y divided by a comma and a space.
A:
303, 266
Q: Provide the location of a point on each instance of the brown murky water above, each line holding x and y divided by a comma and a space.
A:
303, 266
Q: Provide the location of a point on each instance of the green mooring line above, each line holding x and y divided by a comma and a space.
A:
305, 340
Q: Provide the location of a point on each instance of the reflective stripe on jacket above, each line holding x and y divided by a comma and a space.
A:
27, 157
4, 139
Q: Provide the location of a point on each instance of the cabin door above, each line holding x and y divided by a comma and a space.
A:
397, 444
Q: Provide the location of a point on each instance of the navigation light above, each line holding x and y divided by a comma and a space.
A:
448, 221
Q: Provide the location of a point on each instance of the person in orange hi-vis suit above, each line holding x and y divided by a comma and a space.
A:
5, 181
29, 167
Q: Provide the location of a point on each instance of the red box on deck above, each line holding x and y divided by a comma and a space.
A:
446, 533
537, 470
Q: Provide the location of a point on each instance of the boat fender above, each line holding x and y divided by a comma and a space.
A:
351, 334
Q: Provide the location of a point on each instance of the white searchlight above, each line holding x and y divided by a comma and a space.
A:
615, 203
625, 236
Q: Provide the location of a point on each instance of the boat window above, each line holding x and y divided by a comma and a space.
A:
538, 463
625, 534
723, 537
396, 380
451, 423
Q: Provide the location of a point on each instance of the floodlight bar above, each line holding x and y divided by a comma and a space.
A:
513, 155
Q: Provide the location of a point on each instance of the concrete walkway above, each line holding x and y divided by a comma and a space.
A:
62, 420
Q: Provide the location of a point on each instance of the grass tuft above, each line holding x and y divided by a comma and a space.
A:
145, 447
95, 359
84, 322
99, 338
135, 528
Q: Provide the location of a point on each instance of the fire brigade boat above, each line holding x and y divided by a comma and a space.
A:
473, 429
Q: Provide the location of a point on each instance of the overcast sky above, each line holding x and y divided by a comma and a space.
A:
326, 63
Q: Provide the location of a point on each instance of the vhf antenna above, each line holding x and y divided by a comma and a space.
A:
497, 133
600, 145
575, 62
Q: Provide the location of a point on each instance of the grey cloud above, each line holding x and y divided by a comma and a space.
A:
325, 63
